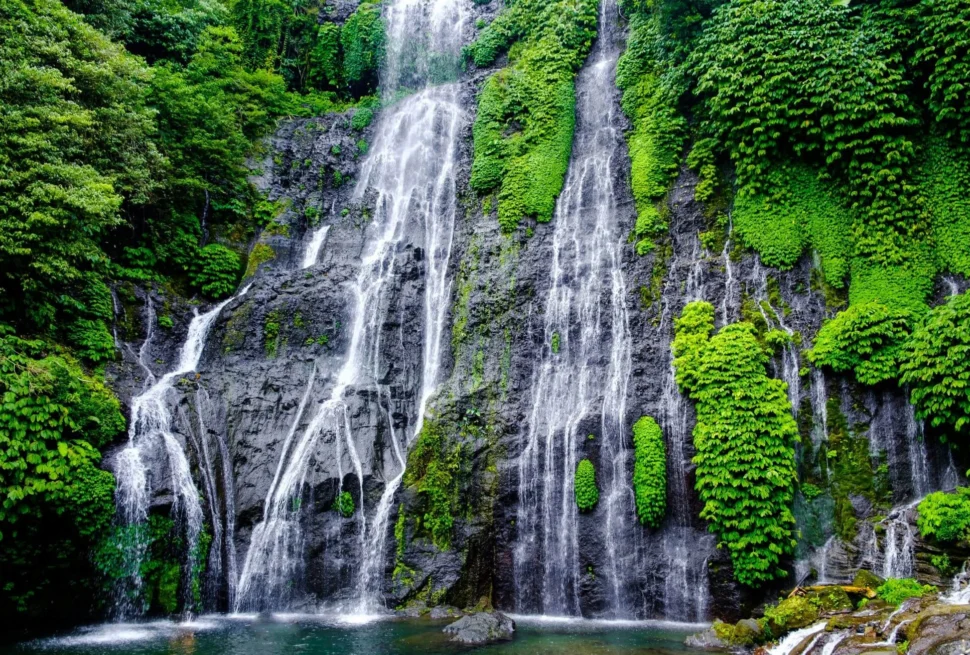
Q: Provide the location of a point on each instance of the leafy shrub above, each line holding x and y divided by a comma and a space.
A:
895, 590
945, 517
649, 471
587, 493
744, 438
944, 180
866, 339
218, 271
344, 503
523, 131
362, 118
936, 365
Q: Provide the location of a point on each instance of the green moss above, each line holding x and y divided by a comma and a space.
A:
555, 343
260, 254
526, 112
744, 438
271, 332
793, 211
587, 493
790, 614
432, 471
649, 471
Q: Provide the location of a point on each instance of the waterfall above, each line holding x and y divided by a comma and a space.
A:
312, 253
150, 429
412, 170
731, 287
585, 368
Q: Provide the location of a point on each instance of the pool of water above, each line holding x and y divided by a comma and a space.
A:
321, 635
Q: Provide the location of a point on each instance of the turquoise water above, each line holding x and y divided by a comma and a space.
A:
314, 635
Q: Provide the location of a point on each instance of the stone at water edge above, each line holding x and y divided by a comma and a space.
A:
482, 628
707, 640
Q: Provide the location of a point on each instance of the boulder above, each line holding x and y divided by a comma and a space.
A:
866, 578
482, 628
707, 640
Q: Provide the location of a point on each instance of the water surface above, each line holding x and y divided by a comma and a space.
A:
317, 635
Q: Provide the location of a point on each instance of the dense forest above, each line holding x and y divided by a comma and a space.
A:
131, 131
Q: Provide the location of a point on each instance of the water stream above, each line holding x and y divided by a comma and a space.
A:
411, 169
581, 383
150, 432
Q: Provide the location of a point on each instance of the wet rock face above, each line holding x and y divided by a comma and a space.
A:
273, 355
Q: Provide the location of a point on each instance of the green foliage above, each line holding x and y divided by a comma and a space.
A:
555, 343
218, 272
935, 365
432, 470
76, 140
56, 503
363, 42
895, 590
744, 438
866, 339
945, 517
587, 493
945, 178
344, 503
362, 118
794, 211
649, 471
658, 132
768, 96
526, 112
944, 50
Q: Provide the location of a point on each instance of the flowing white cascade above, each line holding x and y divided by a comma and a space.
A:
150, 429
580, 381
731, 286
312, 253
960, 593
790, 363
794, 639
412, 168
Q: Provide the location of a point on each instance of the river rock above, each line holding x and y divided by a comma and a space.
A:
707, 640
482, 628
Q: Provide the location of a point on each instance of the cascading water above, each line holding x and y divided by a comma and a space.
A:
150, 430
580, 380
411, 169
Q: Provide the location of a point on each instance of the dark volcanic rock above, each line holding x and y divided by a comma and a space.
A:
482, 628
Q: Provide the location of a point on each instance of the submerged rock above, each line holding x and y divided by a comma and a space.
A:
482, 628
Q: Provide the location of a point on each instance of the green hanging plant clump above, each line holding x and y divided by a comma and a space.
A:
649, 471
744, 437
587, 493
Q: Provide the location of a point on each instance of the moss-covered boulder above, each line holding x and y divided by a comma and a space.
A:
791, 614
746, 632
866, 578
832, 599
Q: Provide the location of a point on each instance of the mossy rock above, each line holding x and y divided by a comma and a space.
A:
833, 599
746, 632
791, 614
866, 578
